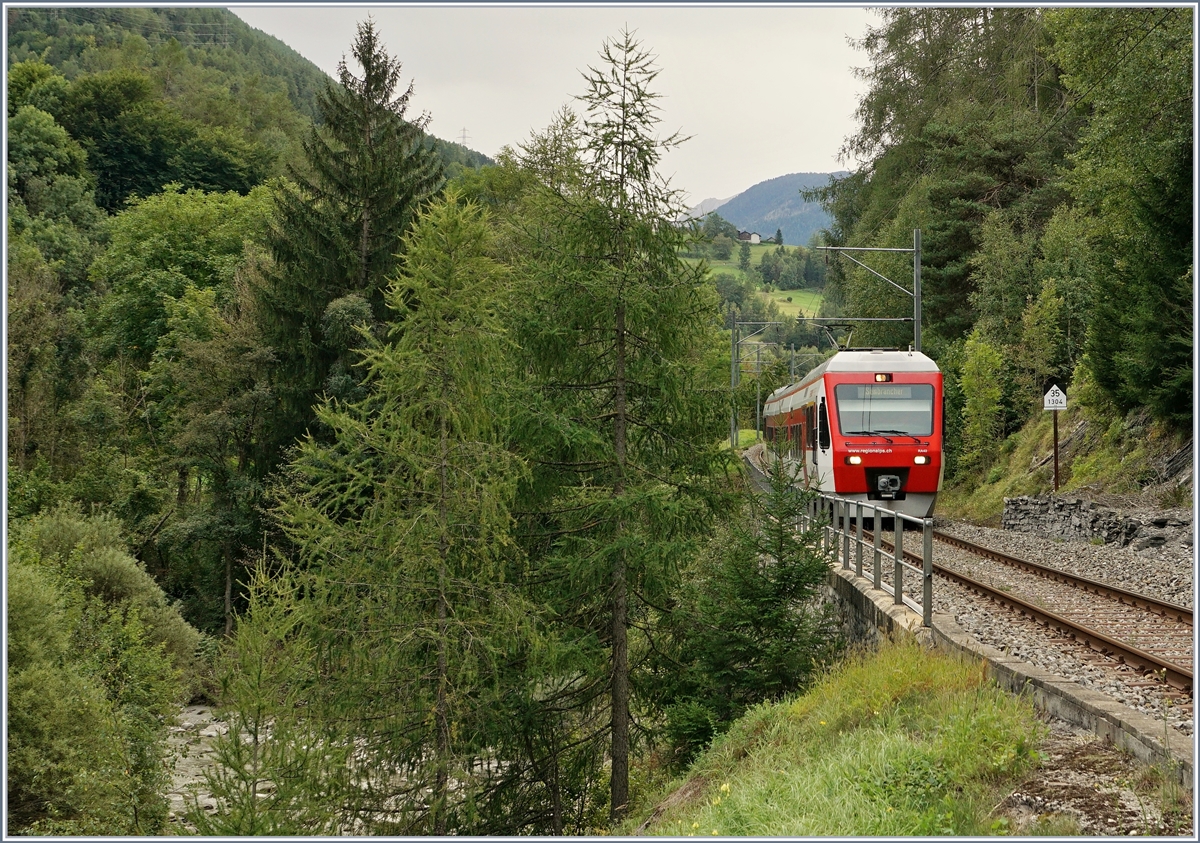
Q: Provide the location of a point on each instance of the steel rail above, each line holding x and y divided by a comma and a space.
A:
1175, 675
1183, 614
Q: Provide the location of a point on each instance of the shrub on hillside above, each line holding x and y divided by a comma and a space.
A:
97, 663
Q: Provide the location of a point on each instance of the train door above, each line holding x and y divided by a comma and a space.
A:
820, 443
810, 440
802, 442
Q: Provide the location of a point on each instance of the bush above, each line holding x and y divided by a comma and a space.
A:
97, 664
690, 726
722, 247
63, 753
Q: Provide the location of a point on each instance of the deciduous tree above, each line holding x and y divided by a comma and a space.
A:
982, 411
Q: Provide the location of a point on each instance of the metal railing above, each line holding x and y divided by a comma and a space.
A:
841, 522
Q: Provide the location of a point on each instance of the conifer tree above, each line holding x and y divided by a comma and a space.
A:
402, 528
625, 420
749, 625
339, 226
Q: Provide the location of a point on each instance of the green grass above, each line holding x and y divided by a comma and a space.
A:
803, 302
746, 438
731, 265
1015, 472
901, 742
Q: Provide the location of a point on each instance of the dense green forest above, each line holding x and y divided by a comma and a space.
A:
1047, 157
410, 460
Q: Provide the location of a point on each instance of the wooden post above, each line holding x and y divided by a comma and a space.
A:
1055, 450
1054, 400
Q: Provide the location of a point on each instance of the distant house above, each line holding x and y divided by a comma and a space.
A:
750, 237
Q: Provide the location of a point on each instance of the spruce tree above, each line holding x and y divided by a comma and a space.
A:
749, 625
339, 224
627, 414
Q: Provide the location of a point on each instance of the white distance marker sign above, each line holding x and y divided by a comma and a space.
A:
1054, 399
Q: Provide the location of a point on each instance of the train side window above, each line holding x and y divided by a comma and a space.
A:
823, 427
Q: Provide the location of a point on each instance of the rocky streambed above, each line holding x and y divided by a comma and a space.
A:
191, 746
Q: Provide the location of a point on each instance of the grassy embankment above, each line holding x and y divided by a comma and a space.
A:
895, 743
1099, 452
746, 438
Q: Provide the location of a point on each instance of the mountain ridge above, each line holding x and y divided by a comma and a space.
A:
776, 204
215, 43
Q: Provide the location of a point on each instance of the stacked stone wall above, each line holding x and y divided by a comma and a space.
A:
1076, 519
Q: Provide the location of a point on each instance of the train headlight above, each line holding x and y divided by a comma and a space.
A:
920, 460
853, 460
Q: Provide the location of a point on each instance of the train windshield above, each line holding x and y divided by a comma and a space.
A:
893, 409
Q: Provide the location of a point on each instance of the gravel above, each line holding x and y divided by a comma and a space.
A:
1164, 572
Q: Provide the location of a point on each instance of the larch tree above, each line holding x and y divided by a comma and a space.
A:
339, 224
618, 333
401, 523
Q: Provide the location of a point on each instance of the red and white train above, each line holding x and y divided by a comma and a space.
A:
866, 425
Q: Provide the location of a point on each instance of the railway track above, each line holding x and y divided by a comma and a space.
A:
1152, 636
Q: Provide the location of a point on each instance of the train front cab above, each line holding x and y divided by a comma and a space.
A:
886, 434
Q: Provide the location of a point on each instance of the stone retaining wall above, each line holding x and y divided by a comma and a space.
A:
1073, 518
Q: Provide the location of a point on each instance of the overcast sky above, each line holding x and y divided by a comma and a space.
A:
763, 91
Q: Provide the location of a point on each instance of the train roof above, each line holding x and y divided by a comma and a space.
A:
862, 360
874, 359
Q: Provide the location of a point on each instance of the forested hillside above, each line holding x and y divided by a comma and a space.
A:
1046, 156
413, 465
208, 69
